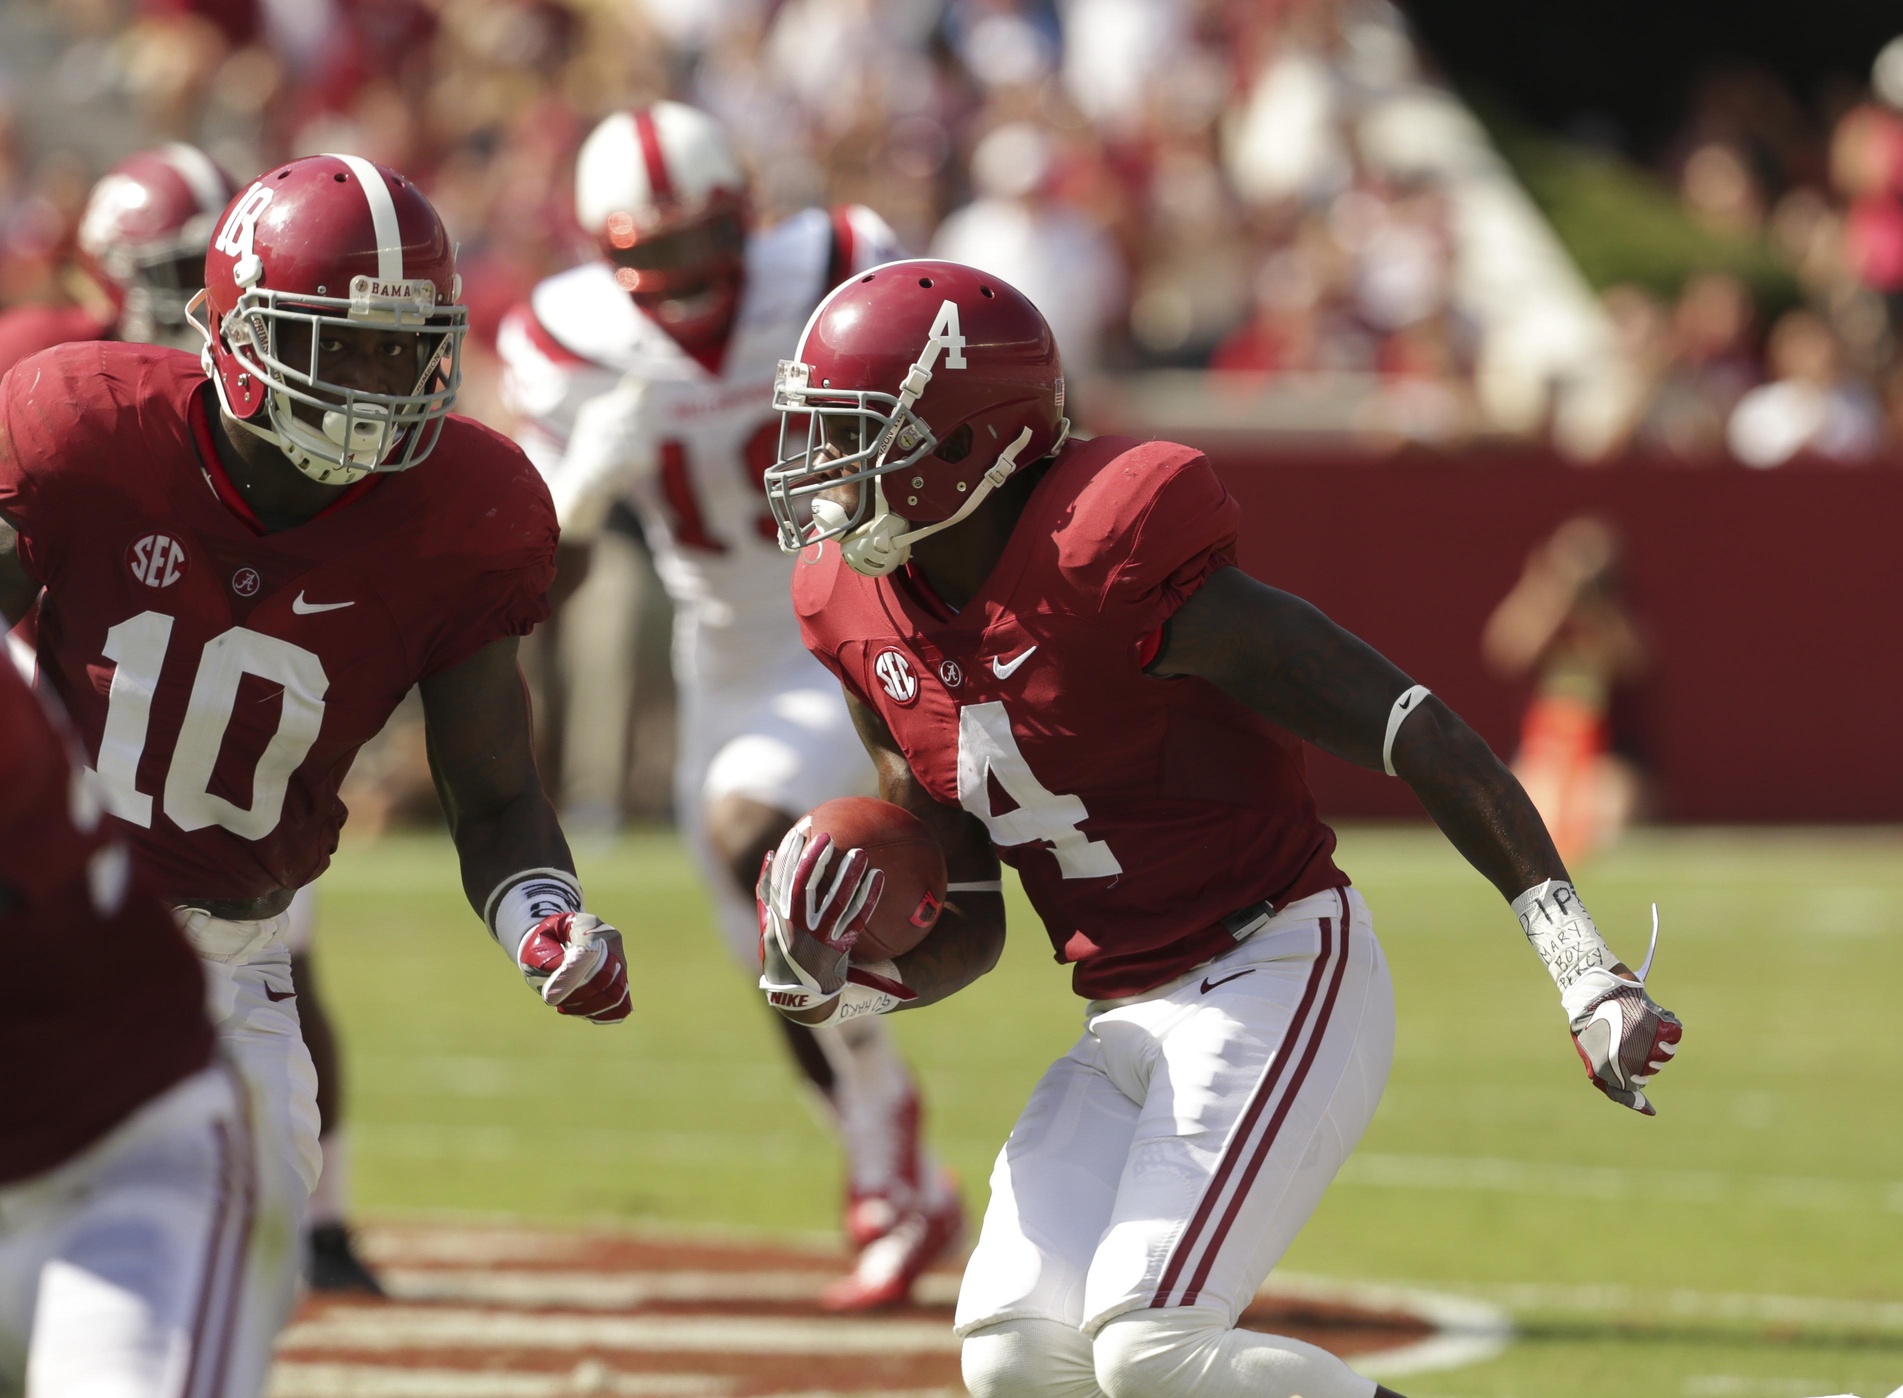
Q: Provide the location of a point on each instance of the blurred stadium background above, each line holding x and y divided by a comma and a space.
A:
1554, 348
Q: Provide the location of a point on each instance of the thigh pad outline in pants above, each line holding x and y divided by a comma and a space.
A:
1117, 1164
1052, 1191
1257, 1090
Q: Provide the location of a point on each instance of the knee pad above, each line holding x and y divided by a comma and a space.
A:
1028, 1358
1192, 1350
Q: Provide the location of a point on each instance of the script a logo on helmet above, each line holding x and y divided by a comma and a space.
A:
947, 337
895, 676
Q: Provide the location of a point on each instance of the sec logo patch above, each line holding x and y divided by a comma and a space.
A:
157, 560
895, 676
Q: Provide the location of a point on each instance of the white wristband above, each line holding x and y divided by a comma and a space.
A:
1562, 932
1409, 701
977, 886
853, 1001
524, 899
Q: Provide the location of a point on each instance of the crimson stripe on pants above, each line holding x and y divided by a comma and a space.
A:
1258, 1103
1262, 1149
224, 1262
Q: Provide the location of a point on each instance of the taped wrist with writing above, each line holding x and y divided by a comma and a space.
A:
523, 899
854, 1000
1562, 932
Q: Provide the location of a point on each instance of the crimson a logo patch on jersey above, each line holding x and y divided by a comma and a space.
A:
895, 675
157, 560
246, 582
951, 673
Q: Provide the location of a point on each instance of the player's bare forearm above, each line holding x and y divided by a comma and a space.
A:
964, 945
1478, 804
481, 752
969, 936
1281, 657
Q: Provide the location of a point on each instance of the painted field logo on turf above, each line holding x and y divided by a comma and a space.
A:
521, 1312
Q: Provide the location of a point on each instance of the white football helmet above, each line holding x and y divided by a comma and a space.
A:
661, 191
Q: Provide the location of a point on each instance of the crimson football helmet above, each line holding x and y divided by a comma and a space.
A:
331, 241
661, 191
143, 237
926, 384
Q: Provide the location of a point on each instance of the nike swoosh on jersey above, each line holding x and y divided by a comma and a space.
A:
276, 995
303, 608
1004, 669
1209, 985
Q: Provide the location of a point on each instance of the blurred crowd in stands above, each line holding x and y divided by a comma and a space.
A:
1823, 190
1282, 192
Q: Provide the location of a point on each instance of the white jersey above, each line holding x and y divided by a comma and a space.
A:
612, 409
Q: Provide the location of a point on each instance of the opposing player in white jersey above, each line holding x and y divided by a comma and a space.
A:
646, 376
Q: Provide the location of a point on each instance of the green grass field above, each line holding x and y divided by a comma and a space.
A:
1747, 1243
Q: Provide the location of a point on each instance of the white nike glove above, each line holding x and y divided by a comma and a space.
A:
1622, 1035
814, 901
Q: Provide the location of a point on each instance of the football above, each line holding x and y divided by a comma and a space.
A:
897, 842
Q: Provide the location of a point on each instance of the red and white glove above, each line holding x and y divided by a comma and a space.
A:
576, 963
1621, 1034
814, 902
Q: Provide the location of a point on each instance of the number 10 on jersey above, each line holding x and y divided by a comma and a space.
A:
138, 646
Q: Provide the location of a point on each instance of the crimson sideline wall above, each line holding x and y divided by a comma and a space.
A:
1770, 600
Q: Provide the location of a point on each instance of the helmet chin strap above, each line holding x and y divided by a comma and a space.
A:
883, 543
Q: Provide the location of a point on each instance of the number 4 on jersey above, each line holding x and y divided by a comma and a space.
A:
987, 749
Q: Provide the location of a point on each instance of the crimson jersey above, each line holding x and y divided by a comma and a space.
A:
1138, 811
103, 1008
26, 330
224, 677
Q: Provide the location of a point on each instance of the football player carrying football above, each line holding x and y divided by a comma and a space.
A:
645, 376
129, 1209
242, 561
1054, 661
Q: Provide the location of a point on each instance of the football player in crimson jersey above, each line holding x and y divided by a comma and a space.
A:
1054, 661
243, 561
645, 376
129, 1211
142, 241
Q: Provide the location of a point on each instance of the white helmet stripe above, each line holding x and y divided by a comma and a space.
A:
197, 170
382, 217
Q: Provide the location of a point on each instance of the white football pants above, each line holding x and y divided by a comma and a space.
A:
253, 1006
1168, 1160
129, 1270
